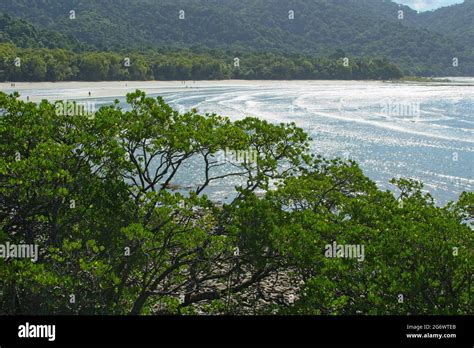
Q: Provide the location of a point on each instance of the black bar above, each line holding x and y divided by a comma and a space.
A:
205, 330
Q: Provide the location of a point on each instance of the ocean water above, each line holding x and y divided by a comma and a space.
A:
419, 131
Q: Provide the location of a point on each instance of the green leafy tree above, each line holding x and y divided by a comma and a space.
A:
117, 235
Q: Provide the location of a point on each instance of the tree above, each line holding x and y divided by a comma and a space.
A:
117, 235
93, 67
34, 67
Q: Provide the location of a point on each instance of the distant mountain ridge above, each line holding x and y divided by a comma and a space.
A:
455, 21
422, 44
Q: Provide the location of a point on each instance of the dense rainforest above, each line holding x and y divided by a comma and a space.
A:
95, 193
61, 65
30, 54
433, 43
25, 35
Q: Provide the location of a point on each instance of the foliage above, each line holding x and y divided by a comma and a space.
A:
421, 44
62, 65
96, 194
23, 34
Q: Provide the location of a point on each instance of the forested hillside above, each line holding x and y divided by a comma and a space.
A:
255, 24
454, 21
23, 34
422, 44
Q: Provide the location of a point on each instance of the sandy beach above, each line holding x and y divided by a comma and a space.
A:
36, 91
77, 90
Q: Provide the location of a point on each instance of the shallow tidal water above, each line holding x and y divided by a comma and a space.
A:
418, 131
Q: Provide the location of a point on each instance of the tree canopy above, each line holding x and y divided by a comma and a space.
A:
96, 192
421, 44
25, 35
62, 65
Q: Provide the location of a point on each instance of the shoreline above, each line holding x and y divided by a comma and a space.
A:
79, 90
112, 89
343, 115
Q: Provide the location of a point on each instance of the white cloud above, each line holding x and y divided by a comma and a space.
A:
425, 5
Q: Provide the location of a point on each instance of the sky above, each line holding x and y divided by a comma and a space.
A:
426, 5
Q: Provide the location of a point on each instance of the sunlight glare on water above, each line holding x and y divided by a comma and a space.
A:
423, 132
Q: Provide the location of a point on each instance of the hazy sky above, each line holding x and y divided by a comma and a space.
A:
424, 5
